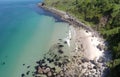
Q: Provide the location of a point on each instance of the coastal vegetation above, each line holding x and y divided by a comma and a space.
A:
103, 16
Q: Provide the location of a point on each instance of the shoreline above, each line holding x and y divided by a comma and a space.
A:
87, 42
65, 16
75, 23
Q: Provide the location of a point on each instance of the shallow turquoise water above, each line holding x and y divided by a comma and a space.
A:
26, 33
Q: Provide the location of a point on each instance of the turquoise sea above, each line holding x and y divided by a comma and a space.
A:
26, 33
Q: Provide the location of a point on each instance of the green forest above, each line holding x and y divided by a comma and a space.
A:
103, 16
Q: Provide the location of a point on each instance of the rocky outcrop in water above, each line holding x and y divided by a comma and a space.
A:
58, 64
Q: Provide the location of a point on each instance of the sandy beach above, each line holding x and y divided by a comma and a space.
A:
89, 43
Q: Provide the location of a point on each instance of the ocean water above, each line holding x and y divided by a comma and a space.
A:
26, 33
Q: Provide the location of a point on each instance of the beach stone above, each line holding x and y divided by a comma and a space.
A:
95, 76
44, 69
99, 65
86, 31
53, 69
85, 60
101, 60
90, 75
61, 73
83, 67
94, 62
49, 74
58, 75
92, 71
40, 70
47, 69
94, 67
85, 74
100, 47
55, 74
89, 67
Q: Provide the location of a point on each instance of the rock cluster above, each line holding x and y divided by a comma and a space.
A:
73, 66
27, 72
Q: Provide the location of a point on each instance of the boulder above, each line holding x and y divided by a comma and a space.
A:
49, 74
60, 51
60, 46
85, 60
40, 70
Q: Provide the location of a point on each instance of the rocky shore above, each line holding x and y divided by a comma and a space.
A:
56, 63
65, 16
86, 59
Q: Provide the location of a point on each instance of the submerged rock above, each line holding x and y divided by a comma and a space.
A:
60, 51
3, 63
28, 66
60, 46
52, 60
22, 75
65, 42
43, 61
27, 73
60, 39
